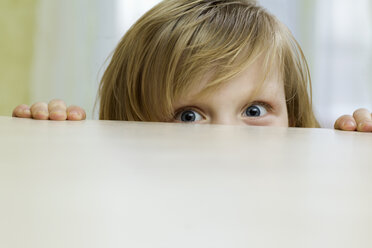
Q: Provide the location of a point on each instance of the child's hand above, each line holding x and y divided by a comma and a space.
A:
361, 121
55, 110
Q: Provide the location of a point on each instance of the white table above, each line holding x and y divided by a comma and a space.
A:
135, 185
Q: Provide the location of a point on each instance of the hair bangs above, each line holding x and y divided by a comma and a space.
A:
226, 39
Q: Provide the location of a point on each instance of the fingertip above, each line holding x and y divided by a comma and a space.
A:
27, 113
75, 113
360, 111
22, 111
345, 123
39, 111
57, 105
74, 116
40, 115
58, 115
348, 125
365, 126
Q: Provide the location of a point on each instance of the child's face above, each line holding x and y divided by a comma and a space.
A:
237, 102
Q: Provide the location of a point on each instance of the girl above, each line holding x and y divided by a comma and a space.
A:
205, 61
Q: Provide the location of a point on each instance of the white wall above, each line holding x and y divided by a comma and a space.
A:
342, 59
72, 41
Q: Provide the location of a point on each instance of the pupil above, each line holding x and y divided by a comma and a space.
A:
188, 116
253, 111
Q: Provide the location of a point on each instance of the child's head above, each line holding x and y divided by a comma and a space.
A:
188, 58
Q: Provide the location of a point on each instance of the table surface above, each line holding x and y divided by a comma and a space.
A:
127, 184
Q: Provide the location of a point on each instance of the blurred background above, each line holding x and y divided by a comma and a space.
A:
59, 49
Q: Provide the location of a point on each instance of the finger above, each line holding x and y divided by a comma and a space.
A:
22, 111
346, 123
57, 110
75, 113
39, 111
363, 119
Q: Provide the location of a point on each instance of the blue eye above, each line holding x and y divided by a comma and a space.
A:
255, 110
189, 116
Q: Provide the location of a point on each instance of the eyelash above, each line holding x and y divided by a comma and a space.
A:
178, 112
267, 106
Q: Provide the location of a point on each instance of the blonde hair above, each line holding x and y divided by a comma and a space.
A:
169, 50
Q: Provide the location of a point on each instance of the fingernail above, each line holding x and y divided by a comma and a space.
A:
75, 115
349, 124
26, 112
40, 114
362, 125
57, 113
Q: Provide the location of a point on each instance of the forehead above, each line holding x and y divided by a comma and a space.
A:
252, 82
